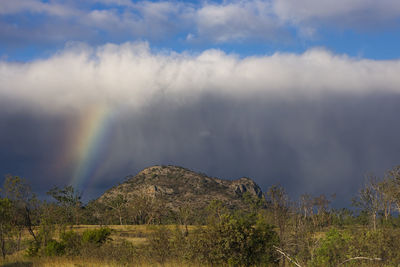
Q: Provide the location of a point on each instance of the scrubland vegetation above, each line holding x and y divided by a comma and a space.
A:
270, 231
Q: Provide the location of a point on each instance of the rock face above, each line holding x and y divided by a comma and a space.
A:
178, 186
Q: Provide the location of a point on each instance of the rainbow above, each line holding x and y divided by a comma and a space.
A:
88, 144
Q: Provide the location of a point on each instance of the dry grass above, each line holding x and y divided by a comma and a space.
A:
136, 234
80, 262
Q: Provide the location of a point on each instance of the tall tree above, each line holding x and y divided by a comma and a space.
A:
370, 198
24, 204
393, 176
118, 204
5, 224
69, 200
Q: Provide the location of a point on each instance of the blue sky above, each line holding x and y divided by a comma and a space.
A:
31, 29
305, 93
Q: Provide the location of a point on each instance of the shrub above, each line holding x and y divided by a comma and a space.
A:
54, 248
332, 249
382, 243
159, 245
236, 240
33, 249
72, 243
96, 236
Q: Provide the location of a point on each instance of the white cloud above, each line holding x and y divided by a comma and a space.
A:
36, 6
229, 21
131, 76
342, 13
237, 21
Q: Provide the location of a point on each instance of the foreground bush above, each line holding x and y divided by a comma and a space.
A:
70, 243
53, 248
333, 249
96, 236
234, 240
372, 247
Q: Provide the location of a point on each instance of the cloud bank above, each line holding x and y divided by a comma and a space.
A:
131, 75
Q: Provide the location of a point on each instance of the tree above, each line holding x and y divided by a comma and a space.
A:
393, 189
370, 198
145, 209
306, 203
386, 190
118, 204
279, 205
24, 204
184, 215
321, 203
69, 200
5, 224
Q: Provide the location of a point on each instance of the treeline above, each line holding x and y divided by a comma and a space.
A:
271, 231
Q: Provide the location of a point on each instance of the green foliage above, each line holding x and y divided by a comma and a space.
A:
382, 243
6, 226
68, 203
33, 249
72, 242
96, 236
332, 249
54, 248
342, 217
254, 203
234, 240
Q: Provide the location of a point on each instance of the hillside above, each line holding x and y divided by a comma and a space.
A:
178, 186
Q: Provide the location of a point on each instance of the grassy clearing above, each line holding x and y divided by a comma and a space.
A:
135, 234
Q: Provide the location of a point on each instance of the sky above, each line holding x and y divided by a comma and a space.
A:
301, 93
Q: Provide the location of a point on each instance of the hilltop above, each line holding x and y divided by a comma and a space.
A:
178, 186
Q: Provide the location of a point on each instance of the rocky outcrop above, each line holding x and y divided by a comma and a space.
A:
178, 186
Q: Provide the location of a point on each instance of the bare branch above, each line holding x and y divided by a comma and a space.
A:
287, 256
360, 258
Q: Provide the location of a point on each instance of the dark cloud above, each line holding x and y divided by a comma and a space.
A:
324, 145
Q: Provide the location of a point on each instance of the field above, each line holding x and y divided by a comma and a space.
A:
135, 234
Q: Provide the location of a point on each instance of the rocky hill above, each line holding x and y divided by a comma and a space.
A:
178, 186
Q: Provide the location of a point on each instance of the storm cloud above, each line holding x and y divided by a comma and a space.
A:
314, 122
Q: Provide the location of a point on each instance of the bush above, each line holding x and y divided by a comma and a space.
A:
333, 249
236, 240
96, 236
54, 248
33, 249
382, 243
159, 245
72, 243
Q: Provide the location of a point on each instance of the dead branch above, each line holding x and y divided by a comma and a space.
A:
360, 258
287, 256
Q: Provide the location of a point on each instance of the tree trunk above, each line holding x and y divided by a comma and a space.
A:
120, 217
29, 224
19, 239
3, 247
374, 220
